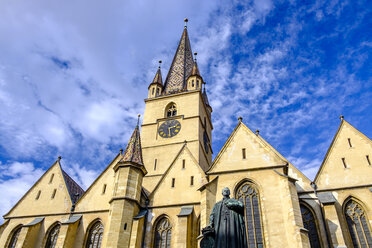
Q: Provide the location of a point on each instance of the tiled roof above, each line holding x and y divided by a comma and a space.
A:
158, 79
133, 151
181, 66
195, 69
72, 187
205, 98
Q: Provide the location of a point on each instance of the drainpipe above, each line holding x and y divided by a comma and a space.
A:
145, 223
315, 187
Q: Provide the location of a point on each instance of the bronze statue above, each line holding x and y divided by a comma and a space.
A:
226, 224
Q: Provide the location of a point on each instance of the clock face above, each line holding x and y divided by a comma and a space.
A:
169, 128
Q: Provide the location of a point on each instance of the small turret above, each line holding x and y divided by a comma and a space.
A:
194, 81
156, 86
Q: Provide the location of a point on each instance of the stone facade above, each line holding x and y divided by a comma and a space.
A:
162, 189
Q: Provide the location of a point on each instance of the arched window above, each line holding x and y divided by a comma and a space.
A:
357, 222
163, 233
52, 236
13, 240
171, 110
95, 235
248, 195
310, 224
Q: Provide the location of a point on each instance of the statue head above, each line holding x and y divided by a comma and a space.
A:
226, 192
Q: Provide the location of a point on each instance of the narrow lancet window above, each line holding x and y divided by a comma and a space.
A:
156, 161
163, 234
192, 181
348, 140
173, 182
344, 162
368, 161
243, 153
248, 195
183, 164
309, 221
95, 235
104, 189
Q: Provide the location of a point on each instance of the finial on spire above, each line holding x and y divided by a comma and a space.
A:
195, 56
121, 151
186, 20
240, 118
257, 132
139, 116
160, 63
341, 117
59, 158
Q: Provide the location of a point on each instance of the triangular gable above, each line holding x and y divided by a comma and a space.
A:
99, 193
258, 154
49, 194
303, 182
332, 173
182, 192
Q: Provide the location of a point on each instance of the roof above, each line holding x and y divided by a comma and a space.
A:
205, 98
72, 187
158, 79
181, 66
195, 69
133, 151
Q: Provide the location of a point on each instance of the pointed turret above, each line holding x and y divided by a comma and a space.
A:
133, 151
194, 81
156, 86
181, 66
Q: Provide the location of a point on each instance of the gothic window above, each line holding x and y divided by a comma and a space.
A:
357, 222
13, 241
308, 219
172, 110
94, 239
157, 91
52, 237
248, 194
163, 233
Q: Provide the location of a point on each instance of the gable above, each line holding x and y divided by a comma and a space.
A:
99, 194
182, 192
48, 195
346, 163
257, 153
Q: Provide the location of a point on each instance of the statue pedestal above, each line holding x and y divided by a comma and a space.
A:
208, 238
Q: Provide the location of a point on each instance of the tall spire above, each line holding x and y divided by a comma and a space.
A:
158, 78
195, 68
133, 151
181, 66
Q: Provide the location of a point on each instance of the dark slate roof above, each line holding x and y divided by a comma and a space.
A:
35, 221
133, 152
181, 66
186, 211
158, 79
141, 214
72, 187
73, 219
195, 69
205, 97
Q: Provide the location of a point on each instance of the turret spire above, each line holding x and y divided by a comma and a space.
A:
133, 151
195, 68
181, 66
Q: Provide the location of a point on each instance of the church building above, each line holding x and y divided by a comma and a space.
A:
159, 192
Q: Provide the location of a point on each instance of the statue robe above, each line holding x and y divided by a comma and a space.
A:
227, 219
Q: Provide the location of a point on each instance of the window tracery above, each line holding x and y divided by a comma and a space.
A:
172, 110
357, 222
15, 234
95, 235
52, 237
308, 219
249, 196
163, 234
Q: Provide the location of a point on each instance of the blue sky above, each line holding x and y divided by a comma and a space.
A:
73, 76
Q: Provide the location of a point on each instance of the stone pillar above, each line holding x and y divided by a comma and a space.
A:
184, 231
125, 204
67, 232
208, 199
29, 234
331, 218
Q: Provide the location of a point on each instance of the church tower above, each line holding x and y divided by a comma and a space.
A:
175, 113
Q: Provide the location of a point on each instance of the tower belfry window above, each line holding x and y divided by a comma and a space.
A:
172, 110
